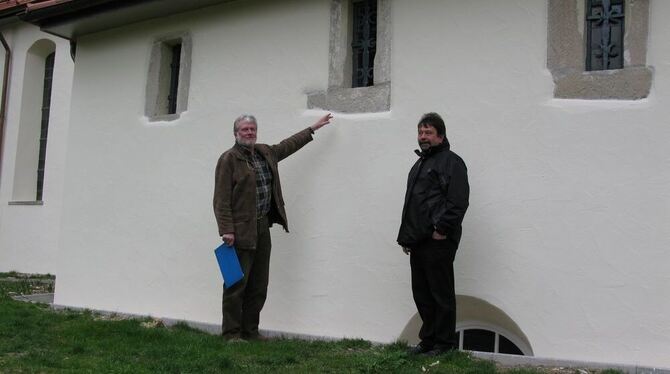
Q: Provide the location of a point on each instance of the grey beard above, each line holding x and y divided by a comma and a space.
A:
246, 143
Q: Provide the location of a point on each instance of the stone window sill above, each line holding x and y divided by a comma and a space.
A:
630, 83
164, 117
37, 202
371, 99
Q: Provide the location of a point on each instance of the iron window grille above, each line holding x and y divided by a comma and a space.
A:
605, 33
482, 340
175, 62
44, 126
364, 42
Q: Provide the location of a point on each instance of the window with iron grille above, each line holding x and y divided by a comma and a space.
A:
359, 64
364, 42
577, 52
44, 128
605, 34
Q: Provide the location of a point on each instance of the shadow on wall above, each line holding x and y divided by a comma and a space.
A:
477, 315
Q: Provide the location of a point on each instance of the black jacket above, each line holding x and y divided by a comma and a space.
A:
436, 198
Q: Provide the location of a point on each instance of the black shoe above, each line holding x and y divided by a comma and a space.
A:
440, 349
256, 337
420, 349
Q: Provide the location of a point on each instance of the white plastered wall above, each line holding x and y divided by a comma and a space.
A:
566, 231
29, 233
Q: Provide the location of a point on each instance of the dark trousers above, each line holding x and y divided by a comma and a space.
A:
242, 303
432, 264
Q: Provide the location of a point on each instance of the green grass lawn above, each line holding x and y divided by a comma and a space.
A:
36, 339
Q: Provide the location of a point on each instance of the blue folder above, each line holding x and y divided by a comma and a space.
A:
229, 264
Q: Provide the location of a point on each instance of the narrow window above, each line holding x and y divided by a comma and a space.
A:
175, 59
364, 42
605, 33
44, 124
168, 77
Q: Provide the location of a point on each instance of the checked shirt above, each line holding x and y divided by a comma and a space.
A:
263, 185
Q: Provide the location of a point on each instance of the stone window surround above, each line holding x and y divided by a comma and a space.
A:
340, 96
153, 105
566, 57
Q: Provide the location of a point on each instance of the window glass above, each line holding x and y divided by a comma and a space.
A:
506, 346
44, 124
479, 340
605, 32
364, 42
175, 59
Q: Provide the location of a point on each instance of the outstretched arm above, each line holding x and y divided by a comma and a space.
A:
291, 144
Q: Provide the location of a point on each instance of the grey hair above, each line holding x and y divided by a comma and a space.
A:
244, 117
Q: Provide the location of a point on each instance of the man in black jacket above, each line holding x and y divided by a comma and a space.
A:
435, 203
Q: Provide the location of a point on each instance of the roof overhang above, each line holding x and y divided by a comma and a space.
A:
73, 18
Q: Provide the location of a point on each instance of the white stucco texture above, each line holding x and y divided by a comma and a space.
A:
567, 229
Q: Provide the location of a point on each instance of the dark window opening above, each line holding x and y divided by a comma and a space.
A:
44, 126
605, 33
506, 346
364, 42
174, 77
479, 340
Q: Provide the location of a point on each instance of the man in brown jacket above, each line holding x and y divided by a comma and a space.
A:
247, 201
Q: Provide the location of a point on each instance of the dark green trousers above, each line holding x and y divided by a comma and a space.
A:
242, 303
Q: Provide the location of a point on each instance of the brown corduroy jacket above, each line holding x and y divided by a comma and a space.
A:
235, 188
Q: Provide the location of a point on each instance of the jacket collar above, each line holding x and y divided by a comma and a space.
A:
242, 148
433, 150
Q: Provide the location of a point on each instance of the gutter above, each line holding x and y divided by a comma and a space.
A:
4, 97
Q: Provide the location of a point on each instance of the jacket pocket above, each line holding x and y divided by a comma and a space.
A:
245, 233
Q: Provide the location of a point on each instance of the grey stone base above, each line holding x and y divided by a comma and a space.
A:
532, 361
42, 298
502, 359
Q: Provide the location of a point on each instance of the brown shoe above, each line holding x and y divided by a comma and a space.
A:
233, 338
236, 340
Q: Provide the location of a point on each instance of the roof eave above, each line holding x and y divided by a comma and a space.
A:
75, 18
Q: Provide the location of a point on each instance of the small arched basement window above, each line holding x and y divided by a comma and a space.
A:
480, 326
